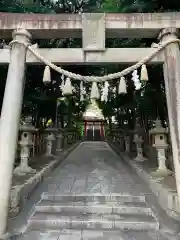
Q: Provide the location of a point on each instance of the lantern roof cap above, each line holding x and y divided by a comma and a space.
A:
158, 128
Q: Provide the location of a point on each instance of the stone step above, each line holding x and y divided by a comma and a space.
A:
56, 221
67, 234
139, 208
93, 198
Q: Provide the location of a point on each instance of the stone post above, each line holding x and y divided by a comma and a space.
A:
10, 117
171, 69
114, 137
127, 143
160, 143
138, 141
75, 137
60, 141
65, 137
50, 137
121, 142
26, 144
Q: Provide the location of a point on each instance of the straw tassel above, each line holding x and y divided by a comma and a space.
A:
135, 78
144, 73
47, 75
94, 91
122, 86
67, 89
105, 92
102, 97
81, 92
62, 83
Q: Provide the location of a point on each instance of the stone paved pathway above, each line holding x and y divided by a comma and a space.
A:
93, 168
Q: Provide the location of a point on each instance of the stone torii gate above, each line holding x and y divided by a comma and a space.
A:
93, 29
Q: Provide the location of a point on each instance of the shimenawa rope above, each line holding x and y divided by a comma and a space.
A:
96, 78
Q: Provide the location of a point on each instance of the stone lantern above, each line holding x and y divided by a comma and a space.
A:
138, 141
160, 143
26, 144
50, 138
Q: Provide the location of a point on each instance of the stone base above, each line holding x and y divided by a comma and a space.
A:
59, 150
20, 171
49, 155
6, 236
161, 173
140, 159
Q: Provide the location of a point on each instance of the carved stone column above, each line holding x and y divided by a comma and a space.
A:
10, 117
172, 85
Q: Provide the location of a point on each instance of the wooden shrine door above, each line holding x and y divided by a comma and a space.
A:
94, 131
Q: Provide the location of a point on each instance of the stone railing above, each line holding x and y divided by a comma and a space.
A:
157, 150
38, 153
151, 161
121, 137
71, 135
47, 142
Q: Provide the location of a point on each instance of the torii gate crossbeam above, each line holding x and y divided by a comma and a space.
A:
118, 25
77, 56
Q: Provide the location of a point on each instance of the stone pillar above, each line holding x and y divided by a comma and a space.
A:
60, 141
65, 136
114, 138
171, 69
127, 143
121, 142
139, 141
9, 122
50, 138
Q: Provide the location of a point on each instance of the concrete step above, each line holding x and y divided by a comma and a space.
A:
93, 198
68, 234
56, 221
139, 208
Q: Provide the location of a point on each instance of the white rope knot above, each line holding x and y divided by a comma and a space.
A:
26, 45
104, 78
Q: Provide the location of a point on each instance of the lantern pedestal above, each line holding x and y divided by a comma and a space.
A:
161, 173
162, 170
